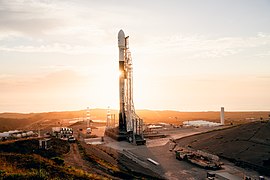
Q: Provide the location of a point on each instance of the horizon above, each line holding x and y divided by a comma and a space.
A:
188, 56
231, 111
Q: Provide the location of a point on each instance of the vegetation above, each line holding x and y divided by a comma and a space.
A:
56, 147
98, 157
23, 160
97, 161
22, 166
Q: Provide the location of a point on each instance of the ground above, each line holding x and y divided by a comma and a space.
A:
121, 160
104, 160
170, 168
248, 145
158, 150
73, 158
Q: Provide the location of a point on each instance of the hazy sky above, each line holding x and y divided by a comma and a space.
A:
188, 55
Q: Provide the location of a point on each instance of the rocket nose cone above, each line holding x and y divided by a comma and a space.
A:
121, 39
121, 34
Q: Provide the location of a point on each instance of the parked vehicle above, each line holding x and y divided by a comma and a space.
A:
71, 139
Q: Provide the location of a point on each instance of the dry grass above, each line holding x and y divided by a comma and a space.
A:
19, 161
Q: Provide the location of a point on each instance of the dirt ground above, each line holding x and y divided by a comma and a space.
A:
73, 158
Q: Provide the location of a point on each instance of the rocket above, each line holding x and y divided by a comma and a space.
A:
130, 124
122, 77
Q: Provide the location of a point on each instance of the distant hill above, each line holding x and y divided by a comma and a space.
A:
9, 121
247, 145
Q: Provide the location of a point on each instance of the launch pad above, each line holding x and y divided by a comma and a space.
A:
125, 136
130, 125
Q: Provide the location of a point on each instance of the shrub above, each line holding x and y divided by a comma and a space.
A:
59, 161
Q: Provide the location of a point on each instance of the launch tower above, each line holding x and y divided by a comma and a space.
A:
130, 124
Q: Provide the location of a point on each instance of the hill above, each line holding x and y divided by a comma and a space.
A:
10, 121
247, 145
23, 160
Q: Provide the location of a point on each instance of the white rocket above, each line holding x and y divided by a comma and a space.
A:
130, 124
122, 77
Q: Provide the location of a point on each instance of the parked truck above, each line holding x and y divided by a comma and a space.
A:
200, 158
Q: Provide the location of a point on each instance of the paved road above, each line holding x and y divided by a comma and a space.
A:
158, 150
169, 167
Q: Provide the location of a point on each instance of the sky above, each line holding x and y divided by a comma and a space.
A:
188, 55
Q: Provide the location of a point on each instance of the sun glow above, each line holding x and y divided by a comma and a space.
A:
120, 73
59, 55
104, 88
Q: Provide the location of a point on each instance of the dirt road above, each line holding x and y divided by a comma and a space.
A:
73, 158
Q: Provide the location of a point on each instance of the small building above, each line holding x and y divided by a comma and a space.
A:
43, 143
154, 126
165, 125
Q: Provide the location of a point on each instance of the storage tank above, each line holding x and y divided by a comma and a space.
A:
30, 133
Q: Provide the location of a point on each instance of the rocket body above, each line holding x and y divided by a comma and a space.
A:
130, 124
122, 76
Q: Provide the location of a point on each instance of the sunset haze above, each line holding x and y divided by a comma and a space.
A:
187, 55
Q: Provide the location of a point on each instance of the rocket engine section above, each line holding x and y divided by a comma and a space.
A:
129, 122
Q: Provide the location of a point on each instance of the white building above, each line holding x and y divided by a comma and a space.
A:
200, 123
